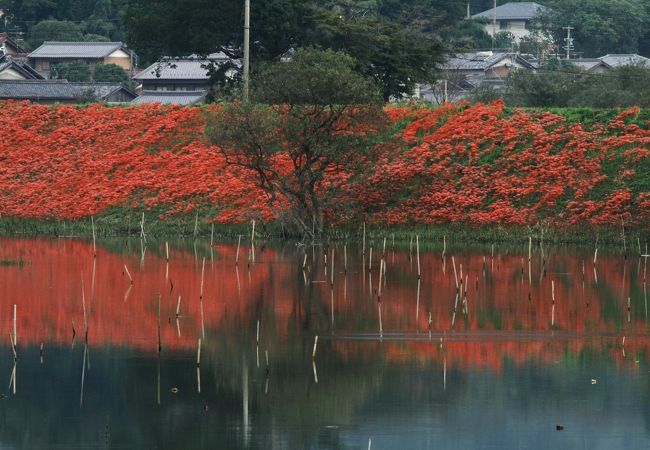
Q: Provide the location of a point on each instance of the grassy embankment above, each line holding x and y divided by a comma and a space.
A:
485, 173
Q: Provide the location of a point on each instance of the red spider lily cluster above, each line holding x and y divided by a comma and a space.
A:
455, 163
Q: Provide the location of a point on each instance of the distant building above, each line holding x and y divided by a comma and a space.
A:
180, 80
16, 69
51, 53
625, 59
9, 47
62, 91
512, 17
462, 72
177, 98
611, 61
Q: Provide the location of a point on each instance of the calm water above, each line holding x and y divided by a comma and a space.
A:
408, 366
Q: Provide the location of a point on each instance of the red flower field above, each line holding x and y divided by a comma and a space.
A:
458, 163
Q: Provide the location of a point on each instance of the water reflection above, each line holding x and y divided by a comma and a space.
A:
486, 348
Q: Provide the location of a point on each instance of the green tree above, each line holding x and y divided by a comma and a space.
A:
54, 30
305, 120
395, 56
600, 27
77, 70
110, 72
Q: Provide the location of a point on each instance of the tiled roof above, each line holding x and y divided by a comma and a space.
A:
513, 11
101, 90
22, 67
625, 59
51, 49
175, 69
480, 60
47, 90
174, 97
588, 63
190, 68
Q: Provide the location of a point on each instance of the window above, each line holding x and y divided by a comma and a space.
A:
504, 25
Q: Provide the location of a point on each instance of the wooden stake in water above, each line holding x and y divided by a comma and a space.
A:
167, 250
196, 225
237, 254
144, 237
13, 345
257, 336
15, 335
444, 246
381, 271
595, 255
202, 273
178, 307
417, 249
332, 270
159, 341
381, 327
313, 352
370, 260
83, 302
253, 242
128, 274
417, 304
198, 353
345, 259
530, 247
363, 248
92, 222
212, 234
453, 262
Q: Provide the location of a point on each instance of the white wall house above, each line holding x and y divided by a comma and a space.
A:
512, 17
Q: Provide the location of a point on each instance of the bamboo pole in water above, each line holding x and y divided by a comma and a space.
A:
202, 273
15, 335
83, 302
198, 353
253, 242
370, 260
417, 247
237, 254
363, 248
159, 341
257, 335
13, 345
313, 352
345, 259
453, 262
92, 223
128, 273
178, 307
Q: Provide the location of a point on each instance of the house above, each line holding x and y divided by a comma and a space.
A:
609, 62
9, 47
16, 69
39, 91
181, 80
171, 97
593, 65
625, 59
512, 17
106, 92
183, 74
462, 72
62, 91
51, 53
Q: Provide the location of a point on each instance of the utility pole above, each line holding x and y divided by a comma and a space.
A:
494, 23
568, 41
468, 16
247, 27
